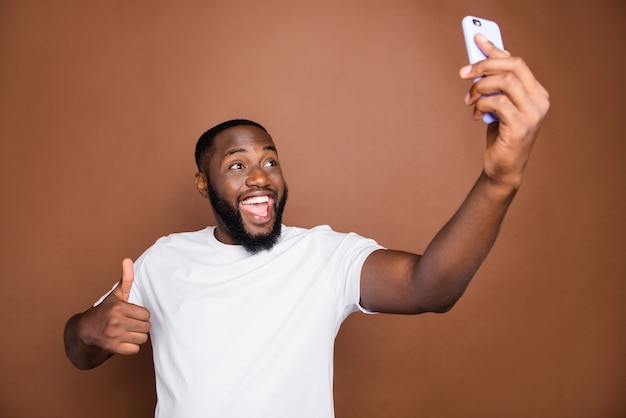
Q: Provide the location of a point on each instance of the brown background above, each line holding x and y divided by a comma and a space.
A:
102, 102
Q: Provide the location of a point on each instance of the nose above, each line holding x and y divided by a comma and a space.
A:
257, 177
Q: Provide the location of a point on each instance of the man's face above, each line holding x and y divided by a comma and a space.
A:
244, 182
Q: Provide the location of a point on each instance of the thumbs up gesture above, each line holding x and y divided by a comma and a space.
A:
122, 291
115, 325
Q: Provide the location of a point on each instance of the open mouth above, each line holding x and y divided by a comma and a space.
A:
258, 207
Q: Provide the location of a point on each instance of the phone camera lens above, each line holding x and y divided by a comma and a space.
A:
477, 22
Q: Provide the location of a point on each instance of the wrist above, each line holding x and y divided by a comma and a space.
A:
82, 335
503, 187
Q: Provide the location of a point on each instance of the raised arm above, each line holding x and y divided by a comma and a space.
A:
400, 282
112, 327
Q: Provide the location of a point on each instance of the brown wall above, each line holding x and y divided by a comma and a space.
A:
100, 106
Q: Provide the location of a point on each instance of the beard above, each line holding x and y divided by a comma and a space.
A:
253, 243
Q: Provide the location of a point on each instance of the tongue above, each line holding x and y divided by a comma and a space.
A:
258, 209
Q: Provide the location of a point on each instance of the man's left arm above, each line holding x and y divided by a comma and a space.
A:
401, 282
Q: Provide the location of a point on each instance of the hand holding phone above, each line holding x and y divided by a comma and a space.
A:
471, 27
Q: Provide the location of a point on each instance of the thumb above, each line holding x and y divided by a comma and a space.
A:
128, 275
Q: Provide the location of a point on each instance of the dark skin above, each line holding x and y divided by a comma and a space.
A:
245, 164
113, 327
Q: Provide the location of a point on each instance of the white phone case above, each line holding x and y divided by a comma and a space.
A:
473, 25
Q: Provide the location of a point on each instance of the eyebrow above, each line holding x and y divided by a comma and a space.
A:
238, 150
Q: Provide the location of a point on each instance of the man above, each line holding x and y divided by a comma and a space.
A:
242, 316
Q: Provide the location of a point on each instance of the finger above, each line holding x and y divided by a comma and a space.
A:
486, 67
131, 342
136, 338
139, 327
488, 48
123, 330
544, 91
510, 86
513, 65
128, 349
128, 276
533, 104
136, 312
497, 104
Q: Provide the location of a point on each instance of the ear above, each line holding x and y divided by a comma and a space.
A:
202, 184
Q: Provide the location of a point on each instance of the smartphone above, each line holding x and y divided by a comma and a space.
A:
473, 25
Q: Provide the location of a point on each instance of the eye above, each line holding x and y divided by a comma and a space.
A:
236, 166
270, 163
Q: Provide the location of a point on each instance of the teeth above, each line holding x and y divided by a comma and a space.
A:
255, 200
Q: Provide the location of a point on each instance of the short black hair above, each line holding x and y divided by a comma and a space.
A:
205, 142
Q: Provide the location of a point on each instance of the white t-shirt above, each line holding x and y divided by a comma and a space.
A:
240, 335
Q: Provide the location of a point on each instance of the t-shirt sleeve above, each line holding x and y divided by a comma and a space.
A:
103, 297
352, 253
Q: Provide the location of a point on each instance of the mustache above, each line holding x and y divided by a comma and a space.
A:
233, 221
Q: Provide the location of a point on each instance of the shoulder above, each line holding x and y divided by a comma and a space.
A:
320, 232
185, 238
179, 243
324, 237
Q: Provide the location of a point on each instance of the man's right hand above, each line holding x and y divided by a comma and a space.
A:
115, 325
